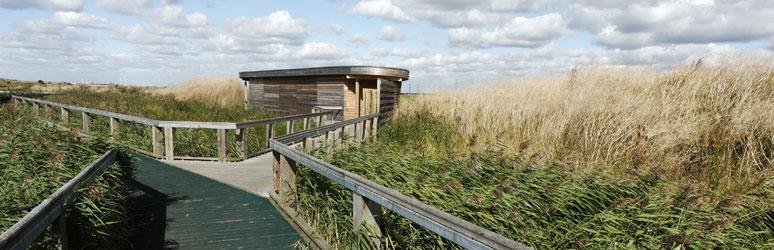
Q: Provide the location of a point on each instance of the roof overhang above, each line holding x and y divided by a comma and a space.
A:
347, 71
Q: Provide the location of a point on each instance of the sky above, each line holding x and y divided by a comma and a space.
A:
444, 44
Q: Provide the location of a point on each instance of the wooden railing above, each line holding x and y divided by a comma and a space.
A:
163, 132
24, 232
368, 197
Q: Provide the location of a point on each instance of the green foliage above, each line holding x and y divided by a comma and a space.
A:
549, 206
188, 142
36, 160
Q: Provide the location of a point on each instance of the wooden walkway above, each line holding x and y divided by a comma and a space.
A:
176, 208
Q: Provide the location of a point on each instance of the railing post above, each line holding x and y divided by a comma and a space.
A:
323, 119
65, 116
241, 135
306, 123
113, 126
269, 133
289, 128
367, 129
47, 112
366, 213
221, 145
61, 230
86, 123
169, 143
308, 145
374, 127
320, 120
156, 135
275, 166
287, 174
35, 109
361, 132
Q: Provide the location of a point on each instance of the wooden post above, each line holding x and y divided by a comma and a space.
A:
374, 126
320, 120
47, 112
269, 133
65, 116
287, 174
61, 230
362, 130
86, 122
241, 135
276, 170
169, 143
306, 123
113, 126
366, 213
35, 109
309, 145
156, 135
366, 129
221, 145
323, 119
289, 129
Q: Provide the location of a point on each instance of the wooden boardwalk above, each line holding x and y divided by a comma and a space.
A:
176, 208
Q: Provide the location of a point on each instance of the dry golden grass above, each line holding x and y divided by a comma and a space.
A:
223, 91
709, 126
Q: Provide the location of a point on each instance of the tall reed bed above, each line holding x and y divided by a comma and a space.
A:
36, 160
708, 125
163, 105
597, 158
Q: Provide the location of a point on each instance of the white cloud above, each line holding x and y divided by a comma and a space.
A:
519, 32
358, 40
126, 7
391, 33
632, 26
381, 9
43, 4
337, 28
77, 19
319, 51
278, 27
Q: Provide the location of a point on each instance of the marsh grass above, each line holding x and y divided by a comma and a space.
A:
598, 158
36, 160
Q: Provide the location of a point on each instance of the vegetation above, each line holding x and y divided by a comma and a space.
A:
193, 101
36, 160
598, 158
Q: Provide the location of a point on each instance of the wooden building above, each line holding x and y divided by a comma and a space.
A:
356, 90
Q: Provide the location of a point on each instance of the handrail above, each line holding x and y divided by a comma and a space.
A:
131, 118
24, 232
318, 131
283, 119
452, 228
166, 129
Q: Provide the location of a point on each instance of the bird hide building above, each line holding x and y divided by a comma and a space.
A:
355, 90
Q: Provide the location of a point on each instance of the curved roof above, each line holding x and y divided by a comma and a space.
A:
327, 71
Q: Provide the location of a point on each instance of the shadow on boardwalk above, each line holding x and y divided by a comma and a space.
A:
173, 208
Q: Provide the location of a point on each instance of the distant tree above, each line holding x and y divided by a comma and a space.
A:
41, 82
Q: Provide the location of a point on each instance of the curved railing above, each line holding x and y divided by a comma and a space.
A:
290, 152
163, 132
24, 232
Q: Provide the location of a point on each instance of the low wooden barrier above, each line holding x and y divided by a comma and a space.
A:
368, 197
163, 132
52, 209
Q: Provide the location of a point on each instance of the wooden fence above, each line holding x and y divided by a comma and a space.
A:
52, 209
163, 132
368, 198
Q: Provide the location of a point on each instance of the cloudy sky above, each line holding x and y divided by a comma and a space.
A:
443, 43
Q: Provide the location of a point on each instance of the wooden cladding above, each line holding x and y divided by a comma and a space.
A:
389, 92
296, 95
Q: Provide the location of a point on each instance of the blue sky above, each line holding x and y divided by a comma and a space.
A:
162, 42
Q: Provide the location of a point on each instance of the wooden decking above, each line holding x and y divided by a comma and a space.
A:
176, 208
